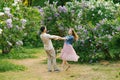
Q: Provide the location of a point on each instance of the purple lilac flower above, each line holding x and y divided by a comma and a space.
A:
10, 15
23, 21
95, 29
98, 25
9, 23
85, 31
41, 10
78, 33
56, 14
80, 27
103, 21
62, 9
84, 5
118, 28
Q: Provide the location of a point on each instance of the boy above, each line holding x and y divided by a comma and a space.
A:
48, 46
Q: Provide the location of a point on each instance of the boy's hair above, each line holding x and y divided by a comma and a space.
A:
42, 28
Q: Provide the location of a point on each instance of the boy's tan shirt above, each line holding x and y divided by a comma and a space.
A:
46, 39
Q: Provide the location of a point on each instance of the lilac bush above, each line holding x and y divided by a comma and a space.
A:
16, 25
96, 22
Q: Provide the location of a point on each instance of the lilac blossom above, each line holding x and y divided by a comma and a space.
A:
98, 25
79, 14
118, 28
103, 21
79, 27
62, 9
9, 23
23, 21
56, 14
6, 10
10, 15
41, 10
85, 31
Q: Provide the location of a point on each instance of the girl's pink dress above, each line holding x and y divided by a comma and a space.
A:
68, 53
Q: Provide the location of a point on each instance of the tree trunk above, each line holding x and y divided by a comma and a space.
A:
6, 50
107, 54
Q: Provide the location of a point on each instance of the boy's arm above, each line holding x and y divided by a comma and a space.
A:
56, 37
53, 37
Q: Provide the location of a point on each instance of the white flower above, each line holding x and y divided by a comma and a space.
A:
9, 43
19, 43
6, 10
14, 4
93, 14
1, 13
99, 12
117, 4
9, 23
18, 8
1, 31
23, 21
16, 1
109, 36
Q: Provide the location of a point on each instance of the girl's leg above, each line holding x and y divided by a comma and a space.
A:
63, 63
68, 65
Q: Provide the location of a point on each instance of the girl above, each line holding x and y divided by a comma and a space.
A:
68, 53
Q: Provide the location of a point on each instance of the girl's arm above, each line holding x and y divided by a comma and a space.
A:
62, 38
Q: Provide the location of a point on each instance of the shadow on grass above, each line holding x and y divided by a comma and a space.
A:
59, 61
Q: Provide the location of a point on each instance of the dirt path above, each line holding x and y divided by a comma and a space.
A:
37, 70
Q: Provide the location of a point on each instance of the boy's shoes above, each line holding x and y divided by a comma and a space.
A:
49, 70
57, 70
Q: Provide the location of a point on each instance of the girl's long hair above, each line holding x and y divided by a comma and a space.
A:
74, 34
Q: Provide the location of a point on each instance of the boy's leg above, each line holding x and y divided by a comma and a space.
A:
49, 61
54, 60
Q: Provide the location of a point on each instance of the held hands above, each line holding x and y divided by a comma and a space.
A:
60, 38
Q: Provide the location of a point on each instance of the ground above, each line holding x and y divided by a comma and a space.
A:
37, 70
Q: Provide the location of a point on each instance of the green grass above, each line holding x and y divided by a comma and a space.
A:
8, 66
23, 53
36, 70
